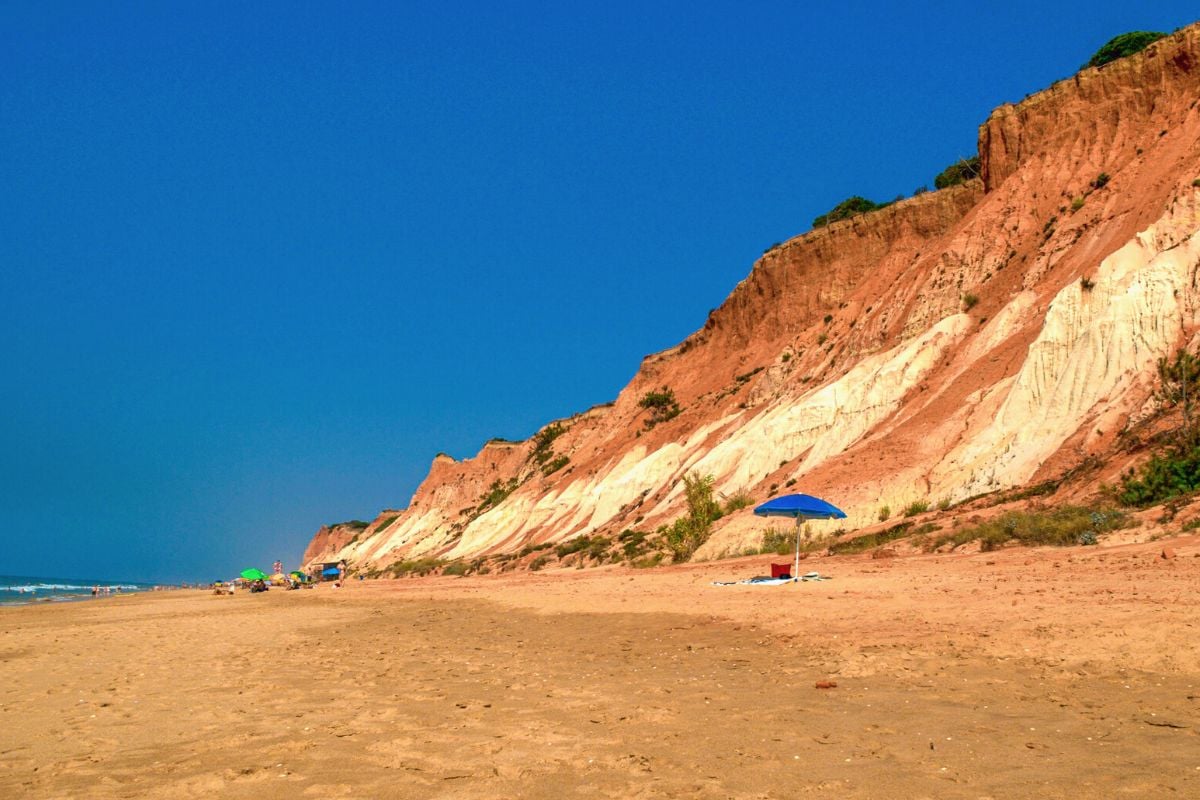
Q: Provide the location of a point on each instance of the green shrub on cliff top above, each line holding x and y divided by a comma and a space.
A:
1124, 45
850, 207
959, 172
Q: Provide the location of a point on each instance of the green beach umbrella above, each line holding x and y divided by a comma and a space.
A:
298, 575
254, 574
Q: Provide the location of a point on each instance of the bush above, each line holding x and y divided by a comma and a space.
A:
538, 563
1176, 470
1124, 45
777, 541
386, 522
1101, 180
418, 566
737, 501
1066, 526
543, 443
555, 465
685, 535
1077, 203
960, 171
850, 207
884, 513
597, 550
496, 494
1165, 475
662, 406
455, 568
916, 507
861, 544
573, 546
970, 301
633, 543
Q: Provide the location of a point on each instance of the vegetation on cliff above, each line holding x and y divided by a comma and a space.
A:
1124, 45
960, 171
543, 449
354, 523
662, 406
1064, 526
1174, 470
496, 494
684, 536
850, 207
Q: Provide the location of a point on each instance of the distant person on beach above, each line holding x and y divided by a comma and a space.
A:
341, 574
95, 591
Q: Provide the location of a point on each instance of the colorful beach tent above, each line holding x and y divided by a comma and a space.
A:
254, 574
800, 507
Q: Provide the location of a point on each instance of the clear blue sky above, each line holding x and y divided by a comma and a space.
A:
258, 264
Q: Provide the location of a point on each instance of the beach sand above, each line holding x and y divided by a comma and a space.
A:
1048, 673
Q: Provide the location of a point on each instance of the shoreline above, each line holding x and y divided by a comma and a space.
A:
1048, 673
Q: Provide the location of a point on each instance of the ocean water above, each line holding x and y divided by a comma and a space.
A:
22, 589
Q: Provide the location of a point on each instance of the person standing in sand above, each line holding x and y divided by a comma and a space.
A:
341, 573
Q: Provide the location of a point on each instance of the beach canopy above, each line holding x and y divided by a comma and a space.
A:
800, 507
330, 571
298, 575
254, 574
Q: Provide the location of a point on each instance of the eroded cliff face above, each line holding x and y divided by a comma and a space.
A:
971, 339
329, 541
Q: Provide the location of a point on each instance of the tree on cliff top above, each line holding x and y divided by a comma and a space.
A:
1124, 45
962, 170
850, 207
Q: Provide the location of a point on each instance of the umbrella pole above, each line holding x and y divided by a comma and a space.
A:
796, 568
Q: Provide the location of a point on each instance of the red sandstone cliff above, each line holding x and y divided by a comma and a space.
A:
962, 341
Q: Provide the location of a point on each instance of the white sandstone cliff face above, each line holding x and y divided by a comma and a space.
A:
1094, 345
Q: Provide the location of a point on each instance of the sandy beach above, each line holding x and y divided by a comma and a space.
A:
1027, 673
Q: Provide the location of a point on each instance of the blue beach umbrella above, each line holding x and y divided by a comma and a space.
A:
800, 507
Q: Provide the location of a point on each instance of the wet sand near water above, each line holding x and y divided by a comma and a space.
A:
1068, 673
